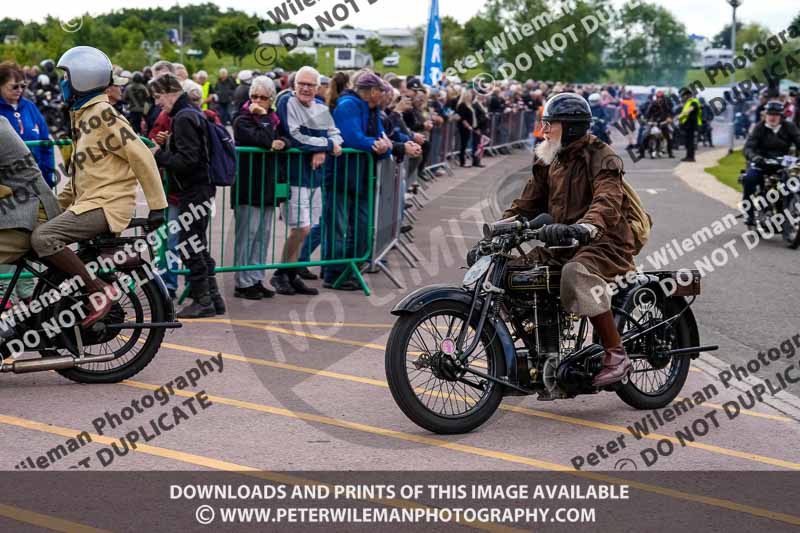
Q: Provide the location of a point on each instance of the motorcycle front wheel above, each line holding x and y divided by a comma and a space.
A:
429, 385
791, 227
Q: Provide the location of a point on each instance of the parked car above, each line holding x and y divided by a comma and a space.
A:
392, 60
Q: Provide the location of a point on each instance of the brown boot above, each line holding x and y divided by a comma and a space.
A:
101, 295
616, 365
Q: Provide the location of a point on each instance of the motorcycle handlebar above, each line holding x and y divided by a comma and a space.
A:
504, 228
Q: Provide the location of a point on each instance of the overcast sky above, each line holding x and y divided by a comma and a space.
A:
704, 17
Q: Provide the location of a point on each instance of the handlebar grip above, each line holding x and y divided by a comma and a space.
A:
493, 230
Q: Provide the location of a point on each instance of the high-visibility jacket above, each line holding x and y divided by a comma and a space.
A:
206, 90
687, 108
630, 105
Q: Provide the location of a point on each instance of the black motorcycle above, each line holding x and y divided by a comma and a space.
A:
454, 352
113, 349
777, 211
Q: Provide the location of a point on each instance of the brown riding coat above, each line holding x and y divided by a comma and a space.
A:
582, 185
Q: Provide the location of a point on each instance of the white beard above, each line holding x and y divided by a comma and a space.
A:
547, 151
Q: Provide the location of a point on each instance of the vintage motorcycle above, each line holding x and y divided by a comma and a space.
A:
454, 352
777, 212
111, 350
654, 140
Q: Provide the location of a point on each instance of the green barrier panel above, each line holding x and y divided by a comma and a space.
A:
349, 242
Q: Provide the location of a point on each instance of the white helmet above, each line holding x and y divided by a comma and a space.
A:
595, 98
89, 69
43, 80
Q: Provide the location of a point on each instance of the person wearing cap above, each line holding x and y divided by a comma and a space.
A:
322, 91
114, 93
577, 179
136, 95
346, 206
772, 138
100, 196
242, 92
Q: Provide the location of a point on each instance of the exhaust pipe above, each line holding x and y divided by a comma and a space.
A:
26, 366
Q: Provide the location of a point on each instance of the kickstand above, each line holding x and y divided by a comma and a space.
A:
79, 340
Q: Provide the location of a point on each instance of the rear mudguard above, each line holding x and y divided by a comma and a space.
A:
651, 281
423, 296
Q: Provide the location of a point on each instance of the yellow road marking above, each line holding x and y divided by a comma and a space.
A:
482, 452
45, 521
747, 412
207, 462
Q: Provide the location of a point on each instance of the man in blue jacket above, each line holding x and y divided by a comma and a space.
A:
346, 206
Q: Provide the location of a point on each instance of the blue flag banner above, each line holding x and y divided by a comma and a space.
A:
432, 60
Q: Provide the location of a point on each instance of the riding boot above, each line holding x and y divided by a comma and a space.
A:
616, 363
216, 298
101, 294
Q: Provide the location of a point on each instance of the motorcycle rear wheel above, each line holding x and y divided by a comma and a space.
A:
133, 349
654, 382
414, 361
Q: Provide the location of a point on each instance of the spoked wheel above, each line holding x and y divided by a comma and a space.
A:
429, 384
656, 378
132, 348
791, 227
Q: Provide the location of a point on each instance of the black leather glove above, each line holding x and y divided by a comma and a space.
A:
155, 219
562, 234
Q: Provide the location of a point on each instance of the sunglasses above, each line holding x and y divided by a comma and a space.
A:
260, 97
546, 125
19, 86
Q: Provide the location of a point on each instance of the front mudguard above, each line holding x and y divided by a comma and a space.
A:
423, 296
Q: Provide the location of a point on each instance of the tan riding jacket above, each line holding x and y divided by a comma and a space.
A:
108, 160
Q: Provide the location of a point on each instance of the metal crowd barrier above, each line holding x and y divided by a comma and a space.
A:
345, 201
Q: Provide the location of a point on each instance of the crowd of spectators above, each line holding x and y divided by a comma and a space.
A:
325, 213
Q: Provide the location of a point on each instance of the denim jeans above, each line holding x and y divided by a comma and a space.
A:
751, 181
169, 277
311, 243
345, 224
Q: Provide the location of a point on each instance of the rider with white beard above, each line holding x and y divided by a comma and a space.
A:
577, 179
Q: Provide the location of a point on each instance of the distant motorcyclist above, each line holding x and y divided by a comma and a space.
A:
578, 180
660, 112
599, 124
771, 138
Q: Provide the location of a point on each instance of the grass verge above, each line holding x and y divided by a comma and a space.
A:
728, 169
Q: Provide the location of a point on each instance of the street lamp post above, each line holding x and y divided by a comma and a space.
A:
734, 4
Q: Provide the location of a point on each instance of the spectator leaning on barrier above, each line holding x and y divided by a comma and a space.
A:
25, 117
253, 198
224, 89
100, 196
185, 159
347, 198
310, 127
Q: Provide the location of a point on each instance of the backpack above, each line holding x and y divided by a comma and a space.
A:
220, 152
638, 219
